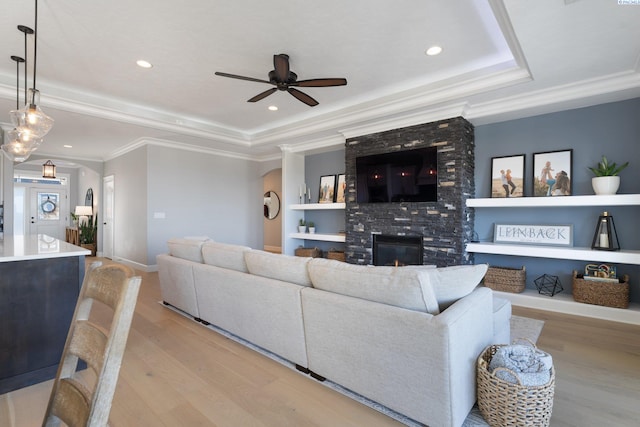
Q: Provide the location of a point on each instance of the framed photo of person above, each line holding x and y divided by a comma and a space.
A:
341, 188
552, 173
327, 189
507, 176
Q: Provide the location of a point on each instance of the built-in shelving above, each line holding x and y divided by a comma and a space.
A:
317, 206
319, 237
532, 202
580, 254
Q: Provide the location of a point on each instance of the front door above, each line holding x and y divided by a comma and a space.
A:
47, 210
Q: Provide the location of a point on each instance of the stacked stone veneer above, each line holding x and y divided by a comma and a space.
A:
446, 225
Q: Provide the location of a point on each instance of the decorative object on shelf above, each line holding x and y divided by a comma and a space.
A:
312, 227
506, 279
308, 252
507, 176
302, 193
302, 228
271, 205
601, 292
48, 169
533, 234
327, 189
601, 272
552, 173
548, 285
605, 237
606, 180
336, 255
341, 188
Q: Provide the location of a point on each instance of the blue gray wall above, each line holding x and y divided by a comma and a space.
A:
608, 129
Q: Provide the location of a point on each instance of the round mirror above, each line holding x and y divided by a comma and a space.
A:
271, 205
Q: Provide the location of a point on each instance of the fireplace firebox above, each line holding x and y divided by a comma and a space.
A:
397, 250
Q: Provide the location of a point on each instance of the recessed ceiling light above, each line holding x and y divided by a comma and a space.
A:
67, 146
433, 50
273, 108
143, 64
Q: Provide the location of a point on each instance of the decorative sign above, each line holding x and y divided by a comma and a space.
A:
533, 234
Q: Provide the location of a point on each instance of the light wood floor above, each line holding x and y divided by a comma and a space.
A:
178, 373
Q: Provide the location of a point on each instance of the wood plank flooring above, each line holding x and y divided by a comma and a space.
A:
178, 373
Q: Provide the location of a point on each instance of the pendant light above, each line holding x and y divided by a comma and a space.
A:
48, 169
21, 144
30, 120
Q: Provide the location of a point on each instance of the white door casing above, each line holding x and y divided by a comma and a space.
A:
108, 191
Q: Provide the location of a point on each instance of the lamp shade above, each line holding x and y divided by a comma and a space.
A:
84, 211
31, 118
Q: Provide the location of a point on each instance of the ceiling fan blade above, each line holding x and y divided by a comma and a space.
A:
263, 95
234, 76
320, 82
301, 96
281, 67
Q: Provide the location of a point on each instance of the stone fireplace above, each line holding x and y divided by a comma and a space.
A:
444, 226
397, 250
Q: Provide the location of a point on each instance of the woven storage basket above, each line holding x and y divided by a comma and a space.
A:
506, 279
337, 255
503, 404
601, 293
308, 252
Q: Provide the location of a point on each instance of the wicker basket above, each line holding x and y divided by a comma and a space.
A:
506, 279
601, 293
308, 252
502, 403
337, 255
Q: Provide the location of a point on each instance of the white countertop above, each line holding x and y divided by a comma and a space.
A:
20, 248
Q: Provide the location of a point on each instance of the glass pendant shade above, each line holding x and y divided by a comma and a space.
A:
17, 151
30, 118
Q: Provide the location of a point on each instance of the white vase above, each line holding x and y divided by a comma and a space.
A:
605, 185
302, 228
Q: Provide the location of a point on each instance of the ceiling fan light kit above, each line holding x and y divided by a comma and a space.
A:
284, 79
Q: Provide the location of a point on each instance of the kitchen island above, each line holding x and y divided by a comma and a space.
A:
40, 279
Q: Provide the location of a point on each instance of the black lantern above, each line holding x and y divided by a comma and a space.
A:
49, 170
605, 237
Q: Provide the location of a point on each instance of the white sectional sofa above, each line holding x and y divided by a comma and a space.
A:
406, 337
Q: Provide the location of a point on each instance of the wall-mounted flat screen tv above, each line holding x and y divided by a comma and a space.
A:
401, 176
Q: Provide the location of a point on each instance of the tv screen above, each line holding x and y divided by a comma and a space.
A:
401, 176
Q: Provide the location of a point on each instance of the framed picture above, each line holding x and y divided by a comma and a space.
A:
534, 234
341, 188
552, 173
327, 189
507, 176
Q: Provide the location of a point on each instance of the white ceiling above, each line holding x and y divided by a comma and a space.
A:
502, 59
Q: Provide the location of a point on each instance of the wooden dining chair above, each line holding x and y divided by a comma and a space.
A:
78, 399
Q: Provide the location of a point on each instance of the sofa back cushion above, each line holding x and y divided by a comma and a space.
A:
186, 248
286, 268
452, 283
225, 255
387, 285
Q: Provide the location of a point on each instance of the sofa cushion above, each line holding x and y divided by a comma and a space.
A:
225, 255
395, 286
286, 268
452, 283
185, 248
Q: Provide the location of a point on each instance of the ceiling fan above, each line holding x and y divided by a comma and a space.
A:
283, 79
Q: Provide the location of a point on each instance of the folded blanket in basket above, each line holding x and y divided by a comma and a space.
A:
525, 363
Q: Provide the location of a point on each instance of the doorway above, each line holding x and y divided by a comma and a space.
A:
108, 228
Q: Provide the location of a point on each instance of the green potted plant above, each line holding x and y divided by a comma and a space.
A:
301, 226
88, 231
312, 227
606, 179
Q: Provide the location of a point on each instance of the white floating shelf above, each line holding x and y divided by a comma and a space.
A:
564, 303
319, 237
558, 201
575, 253
317, 206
